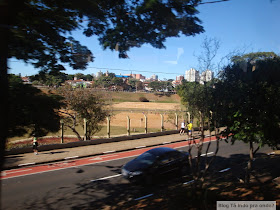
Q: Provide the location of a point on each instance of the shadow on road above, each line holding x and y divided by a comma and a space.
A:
117, 193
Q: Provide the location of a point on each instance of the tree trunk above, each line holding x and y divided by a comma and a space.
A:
4, 88
76, 132
249, 166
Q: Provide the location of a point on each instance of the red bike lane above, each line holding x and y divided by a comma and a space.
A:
91, 160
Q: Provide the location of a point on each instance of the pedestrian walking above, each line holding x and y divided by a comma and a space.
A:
35, 145
182, 130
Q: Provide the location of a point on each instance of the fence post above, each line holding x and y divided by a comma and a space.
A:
128, 126
209, 123
162, 122
146, 123
62, 130
85, 129
176, 121
189, 117
108, 127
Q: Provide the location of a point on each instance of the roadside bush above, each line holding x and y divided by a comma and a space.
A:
143, 99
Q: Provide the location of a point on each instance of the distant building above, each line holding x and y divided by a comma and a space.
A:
140, 77
206, 76
154, 77
25, 80
178, 80
99, 74
79, 83
192, 75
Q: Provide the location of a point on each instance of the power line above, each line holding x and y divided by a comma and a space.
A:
134, 70
129, 70
212, 2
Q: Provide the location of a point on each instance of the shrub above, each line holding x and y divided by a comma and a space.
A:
143, 99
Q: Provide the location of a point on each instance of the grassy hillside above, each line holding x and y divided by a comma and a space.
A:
134, 97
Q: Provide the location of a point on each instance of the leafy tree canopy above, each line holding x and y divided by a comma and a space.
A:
39, 30
31, 111
80, 105
250, 99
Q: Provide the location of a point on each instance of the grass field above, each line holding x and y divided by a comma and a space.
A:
126, 104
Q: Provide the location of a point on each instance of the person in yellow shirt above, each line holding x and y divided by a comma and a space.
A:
190, 126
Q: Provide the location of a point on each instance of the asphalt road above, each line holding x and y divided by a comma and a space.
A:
92, 186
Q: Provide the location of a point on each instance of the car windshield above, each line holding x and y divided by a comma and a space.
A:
146, 158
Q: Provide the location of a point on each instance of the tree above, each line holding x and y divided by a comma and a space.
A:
210, 47
79, 76
103, 81
198, 99
37, 32
80, 105
117, 81
31, 111
248, 90
155, 85
50, 79
88, 77
139, 85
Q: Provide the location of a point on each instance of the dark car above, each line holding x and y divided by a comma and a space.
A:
155, 163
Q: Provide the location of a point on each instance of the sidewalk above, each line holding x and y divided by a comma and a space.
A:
20, 160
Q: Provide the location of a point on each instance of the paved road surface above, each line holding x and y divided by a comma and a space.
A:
91, 186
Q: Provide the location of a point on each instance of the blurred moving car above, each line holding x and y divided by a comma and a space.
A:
155, 163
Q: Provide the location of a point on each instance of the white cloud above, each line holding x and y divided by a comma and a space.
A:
171, 62
180, 51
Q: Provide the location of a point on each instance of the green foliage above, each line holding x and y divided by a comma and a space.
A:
196, 97
40, 27
161, 85
253, 57
83, 104
251, 100
30, 110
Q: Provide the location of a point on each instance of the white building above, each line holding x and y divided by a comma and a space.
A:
192, 75
99, 74
206, 76
154, 77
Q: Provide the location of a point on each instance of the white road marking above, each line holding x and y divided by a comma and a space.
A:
272, 153
71, 157
140, 147
166, 142
209, 153
109, 152
189, 182
136, 199
221, 171
191, 140
107, 156
103, 157
26, 164
12, 172
107, 177
97, 158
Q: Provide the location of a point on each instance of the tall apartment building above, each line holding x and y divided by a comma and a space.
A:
179, 78
99, 74
206, 76
192, 75
154, 77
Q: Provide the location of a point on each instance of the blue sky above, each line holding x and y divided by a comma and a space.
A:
236, 23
